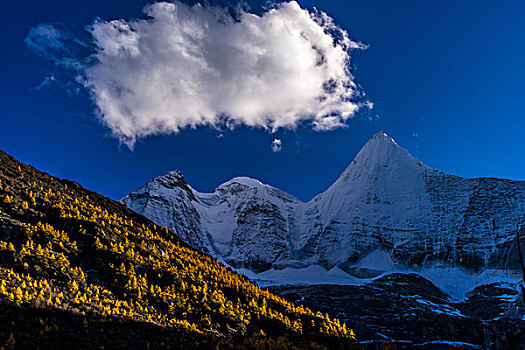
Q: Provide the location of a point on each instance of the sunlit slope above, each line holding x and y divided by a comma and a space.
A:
78, 269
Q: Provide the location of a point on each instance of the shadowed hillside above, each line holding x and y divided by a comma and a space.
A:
80, 270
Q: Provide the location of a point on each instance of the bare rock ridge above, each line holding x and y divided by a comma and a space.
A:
386, 212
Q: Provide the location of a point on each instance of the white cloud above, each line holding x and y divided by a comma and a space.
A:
276, 145
187, 66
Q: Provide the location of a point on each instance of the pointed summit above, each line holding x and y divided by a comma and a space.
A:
379, 155
382, 173
380, 134
174, 174
172, 180
382, 150
380, 140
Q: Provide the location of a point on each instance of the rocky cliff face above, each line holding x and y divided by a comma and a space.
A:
386, 212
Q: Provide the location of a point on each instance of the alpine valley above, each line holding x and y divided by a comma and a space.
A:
405, 253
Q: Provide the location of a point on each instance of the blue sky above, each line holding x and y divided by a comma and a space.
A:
446, 78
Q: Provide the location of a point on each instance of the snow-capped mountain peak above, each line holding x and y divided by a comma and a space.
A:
173, 176
381, 153
243, 180
387, 209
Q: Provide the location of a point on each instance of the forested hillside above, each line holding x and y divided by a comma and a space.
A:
80, 270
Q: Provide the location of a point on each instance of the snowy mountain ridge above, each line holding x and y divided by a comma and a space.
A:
387, 211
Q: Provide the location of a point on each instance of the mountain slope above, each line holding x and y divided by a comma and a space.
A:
386, 212
78, 269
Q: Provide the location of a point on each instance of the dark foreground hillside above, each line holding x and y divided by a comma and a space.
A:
78, 270
408, 312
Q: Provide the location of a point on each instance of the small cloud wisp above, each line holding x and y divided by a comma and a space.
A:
276, 145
